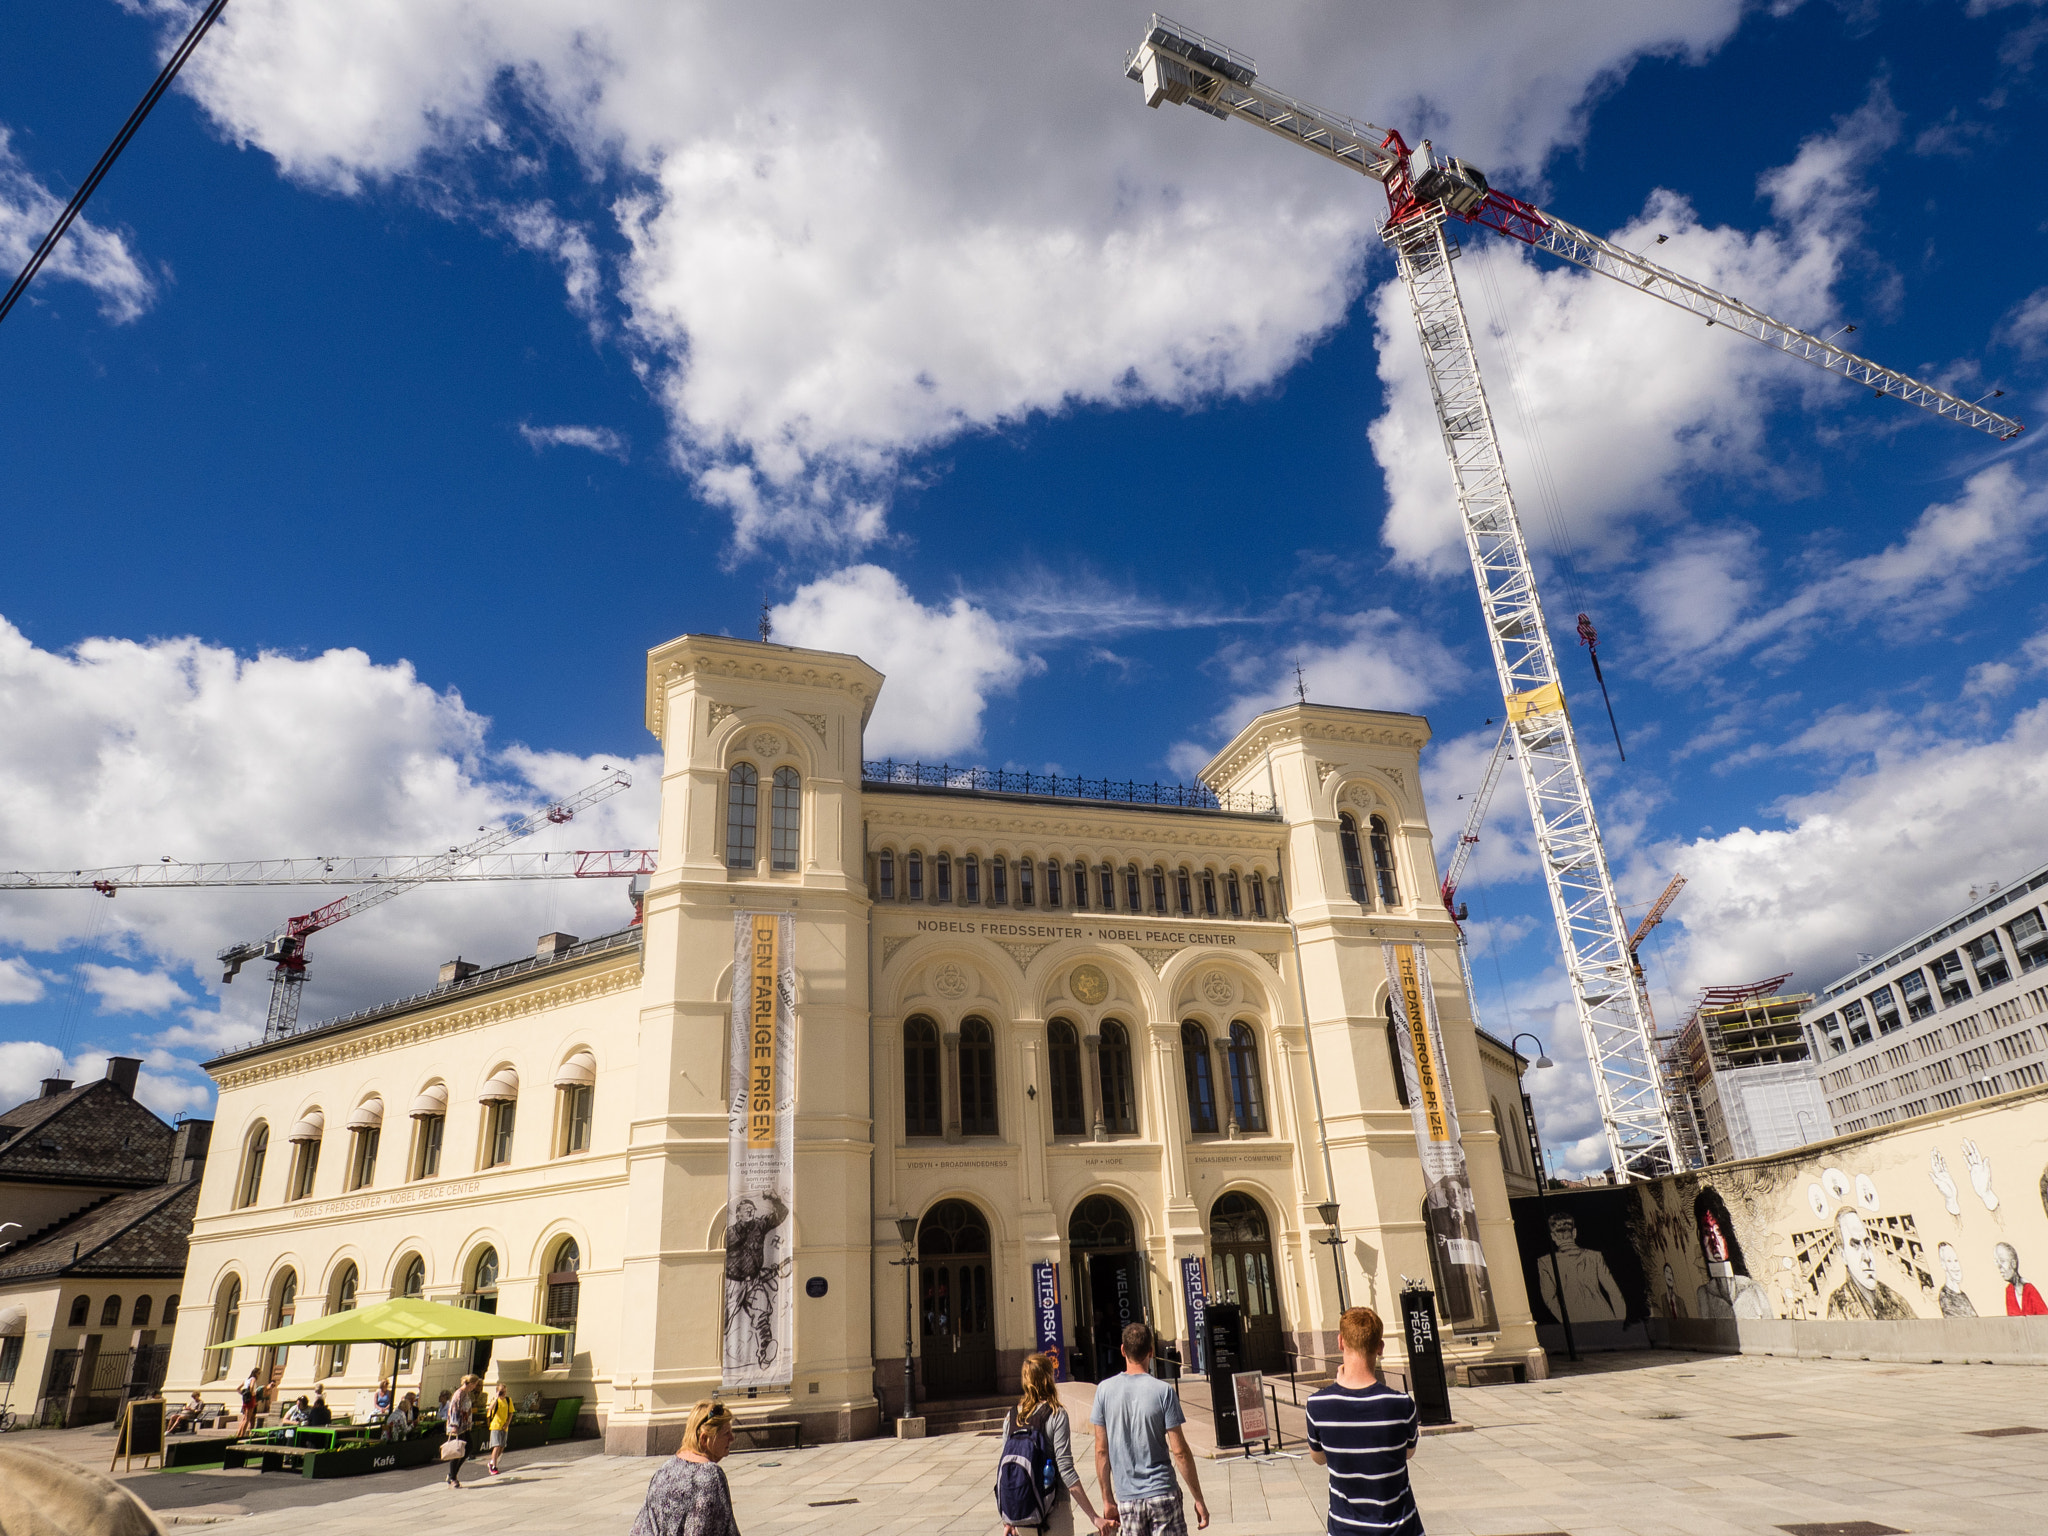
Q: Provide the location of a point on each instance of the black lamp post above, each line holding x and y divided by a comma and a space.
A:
1564, 1314
1327, 1211
906, 1229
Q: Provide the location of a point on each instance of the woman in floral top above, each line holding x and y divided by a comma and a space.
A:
688, 1496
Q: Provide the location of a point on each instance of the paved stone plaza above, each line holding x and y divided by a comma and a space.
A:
1650, 1444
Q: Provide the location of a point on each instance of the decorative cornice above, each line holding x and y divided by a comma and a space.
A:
1312, 723
414, 1030
891, 814
762, 665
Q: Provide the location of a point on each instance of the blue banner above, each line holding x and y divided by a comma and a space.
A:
1045, 1302
1195, 1284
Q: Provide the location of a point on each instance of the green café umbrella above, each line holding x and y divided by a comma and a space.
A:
404, 1320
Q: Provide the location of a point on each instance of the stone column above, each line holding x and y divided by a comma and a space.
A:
1094, 1089
949, 1083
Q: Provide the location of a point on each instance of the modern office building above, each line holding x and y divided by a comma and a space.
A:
1069, 1035
1952, 1015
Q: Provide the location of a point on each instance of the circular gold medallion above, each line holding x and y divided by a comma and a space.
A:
1090, 985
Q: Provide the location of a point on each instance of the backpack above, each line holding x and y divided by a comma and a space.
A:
1027, 1483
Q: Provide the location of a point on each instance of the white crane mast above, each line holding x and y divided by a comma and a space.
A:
1424, 191
338, 869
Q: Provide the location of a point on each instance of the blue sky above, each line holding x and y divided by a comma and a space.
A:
425, 363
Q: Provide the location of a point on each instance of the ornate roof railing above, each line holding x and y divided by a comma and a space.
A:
1004, 781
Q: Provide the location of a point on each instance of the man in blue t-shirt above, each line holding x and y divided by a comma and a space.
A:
1365, 1433
1138, 1443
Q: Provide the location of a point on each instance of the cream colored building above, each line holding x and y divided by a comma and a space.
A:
1042, 1024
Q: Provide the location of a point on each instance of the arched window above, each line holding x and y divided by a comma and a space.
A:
885, 875
1063, 1049
565, 1288
1354, 859
227, 1311
1105, 877
413, 1283
970, 880
913, 875
1258, 893
251, 1184
921, 1079
342, 1300
483, 1272
977, 1078
1394, 1055
1025, 895
1500, 1128
1186, 893
1052, 883
140, 1317
500, 1099
1383, 863
785, 818
1236, 896
942, 877
1133, 894
742, 815
1209, 893
110, 1312
305, 1139
1194, 1052
429, 1114
1119, 1102
1247, 1093
1158, 890
1080, 886
576, 1082
365, 1126
81, 1312
170, 1309
998, 882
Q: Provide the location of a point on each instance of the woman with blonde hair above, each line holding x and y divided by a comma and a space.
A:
1039, 1408
688, 1496
461, 1412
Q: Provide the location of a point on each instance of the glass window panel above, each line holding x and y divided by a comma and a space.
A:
742, 814
787, 823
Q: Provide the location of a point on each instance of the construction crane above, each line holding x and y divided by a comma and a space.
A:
1651, 919
173, 874
1425, 191
286, 945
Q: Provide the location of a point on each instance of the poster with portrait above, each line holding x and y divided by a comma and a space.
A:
1459, 1262
759, 1298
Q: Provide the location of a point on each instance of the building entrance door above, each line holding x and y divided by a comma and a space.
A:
1243, 1272
956, 1314
1109, 1285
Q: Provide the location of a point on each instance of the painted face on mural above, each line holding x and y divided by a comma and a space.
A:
1859, 1254
2007, 1258
1564, 1232
1951, 1265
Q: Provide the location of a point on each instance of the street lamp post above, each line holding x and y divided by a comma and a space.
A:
906, 1229
1564, 1314
1328, 1212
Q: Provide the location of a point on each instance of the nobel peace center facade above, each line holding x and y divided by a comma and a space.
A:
1100, 1056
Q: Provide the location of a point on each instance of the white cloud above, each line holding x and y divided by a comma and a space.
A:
597, 439
19, 981
122, 751
1377, 660
1600, 366
89, 254
942, 664
861, 231
23, 1066
2026, 328
1865, 862
121, 989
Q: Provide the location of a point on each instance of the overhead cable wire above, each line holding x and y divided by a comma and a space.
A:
91, 183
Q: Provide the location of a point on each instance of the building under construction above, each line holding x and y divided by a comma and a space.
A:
1742, 1065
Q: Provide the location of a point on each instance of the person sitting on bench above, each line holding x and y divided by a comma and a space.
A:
188, 1416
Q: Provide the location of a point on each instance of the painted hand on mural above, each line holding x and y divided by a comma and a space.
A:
1945, 1182
1980, 1175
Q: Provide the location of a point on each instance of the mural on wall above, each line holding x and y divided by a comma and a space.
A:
1579, 1260
1899, 1224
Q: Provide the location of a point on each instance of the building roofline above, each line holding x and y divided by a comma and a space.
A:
492, 979
1927, 938
1063, 802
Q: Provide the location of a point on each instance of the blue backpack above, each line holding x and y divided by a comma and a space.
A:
1027, 1482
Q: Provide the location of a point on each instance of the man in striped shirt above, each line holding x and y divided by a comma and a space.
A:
1365, 1433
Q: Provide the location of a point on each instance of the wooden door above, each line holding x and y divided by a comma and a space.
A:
1242, 1272
956, 1304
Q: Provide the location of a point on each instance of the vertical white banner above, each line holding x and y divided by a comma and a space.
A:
1448, 1212
759, 1252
